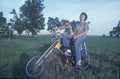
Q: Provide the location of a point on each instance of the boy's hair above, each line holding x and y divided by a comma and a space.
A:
86, 16
66, 21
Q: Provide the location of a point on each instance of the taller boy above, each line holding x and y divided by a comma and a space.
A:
79, 37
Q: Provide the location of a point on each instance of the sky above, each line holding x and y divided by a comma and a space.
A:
103, 15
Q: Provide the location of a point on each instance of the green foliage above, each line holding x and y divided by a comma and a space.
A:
104, 53
53, 22
15, 53
104, 62
30, 19
116, 31
17, 23
73, 24
4, 30
31, 14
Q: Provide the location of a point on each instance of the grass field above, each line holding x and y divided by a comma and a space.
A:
104, 53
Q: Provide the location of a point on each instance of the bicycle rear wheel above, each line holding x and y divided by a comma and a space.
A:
34, 69
85, 60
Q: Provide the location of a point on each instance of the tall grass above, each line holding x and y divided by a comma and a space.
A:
104, 53
12, 50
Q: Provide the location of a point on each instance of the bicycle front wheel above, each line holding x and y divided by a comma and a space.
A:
34, 69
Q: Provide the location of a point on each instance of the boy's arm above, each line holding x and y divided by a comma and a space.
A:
62, 27
83, 33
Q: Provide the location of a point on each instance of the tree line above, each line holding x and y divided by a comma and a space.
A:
31, 21
115, 31
56, 22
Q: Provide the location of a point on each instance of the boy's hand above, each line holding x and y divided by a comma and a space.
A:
75, 37
60, 33
64, 33
55, 28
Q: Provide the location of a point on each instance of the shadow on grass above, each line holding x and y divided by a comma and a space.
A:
19, 67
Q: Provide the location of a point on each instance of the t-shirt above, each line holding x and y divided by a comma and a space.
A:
67, 28
81, 27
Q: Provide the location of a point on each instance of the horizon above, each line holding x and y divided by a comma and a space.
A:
103, 15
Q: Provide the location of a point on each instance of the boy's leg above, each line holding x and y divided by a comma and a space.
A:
66, 40
77, 44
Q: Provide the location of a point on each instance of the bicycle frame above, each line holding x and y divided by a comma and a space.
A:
49, 50
47, 53
36, 68
55, 45
83, 45
85, 48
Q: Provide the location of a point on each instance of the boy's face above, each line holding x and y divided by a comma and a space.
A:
66, 23
82, 17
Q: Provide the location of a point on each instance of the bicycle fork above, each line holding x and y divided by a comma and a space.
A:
47, 53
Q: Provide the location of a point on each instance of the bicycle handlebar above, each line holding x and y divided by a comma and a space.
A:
56, 34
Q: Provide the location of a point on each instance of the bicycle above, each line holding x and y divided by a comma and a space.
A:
37, 64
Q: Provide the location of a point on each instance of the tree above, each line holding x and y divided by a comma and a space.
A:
73, 24
53, 22
3, 26
10, 30
115, 31
16, 23
31, 14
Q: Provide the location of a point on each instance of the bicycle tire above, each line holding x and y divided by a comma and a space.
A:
34, 70
85, 63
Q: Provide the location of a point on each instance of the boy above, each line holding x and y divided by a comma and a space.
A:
79, 37
67, 35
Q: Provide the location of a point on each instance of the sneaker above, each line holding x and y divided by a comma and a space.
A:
67, 52
78, 65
